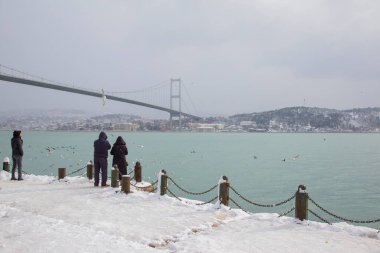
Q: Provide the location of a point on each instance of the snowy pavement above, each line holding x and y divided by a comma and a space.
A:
41, 214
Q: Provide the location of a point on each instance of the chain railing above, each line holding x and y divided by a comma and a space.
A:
192, 193
175, 196
76, 171
287, 212
340, 217
233, 201
319, 217
301, 190
207, 202
259, 204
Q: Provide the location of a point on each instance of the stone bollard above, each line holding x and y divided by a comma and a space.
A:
115, 177
224, 189
126, 184
61, 173
90, 170
6, 165
301, 203
163, 179
138, 177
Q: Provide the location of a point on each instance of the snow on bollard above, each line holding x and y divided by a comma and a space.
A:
301, 203
61, 173
224, 189
6, 165
163, 182
90, 170
114, 177
126, 184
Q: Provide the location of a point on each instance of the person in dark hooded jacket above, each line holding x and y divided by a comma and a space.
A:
101, 147
119, 151
17, 153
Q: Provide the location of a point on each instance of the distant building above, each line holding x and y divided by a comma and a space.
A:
247, 125
205, 128
128, 127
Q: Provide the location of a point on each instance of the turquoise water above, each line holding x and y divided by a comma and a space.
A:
341, 171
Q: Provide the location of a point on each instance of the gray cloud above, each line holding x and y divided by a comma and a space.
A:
234, 56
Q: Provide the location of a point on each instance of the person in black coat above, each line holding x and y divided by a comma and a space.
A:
101, 147
17, 153
119, 151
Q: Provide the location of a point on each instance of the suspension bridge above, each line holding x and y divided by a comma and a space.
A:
15, 76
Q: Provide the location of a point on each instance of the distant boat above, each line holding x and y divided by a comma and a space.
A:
296, 157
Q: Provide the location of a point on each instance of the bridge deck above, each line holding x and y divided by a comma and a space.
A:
90, 93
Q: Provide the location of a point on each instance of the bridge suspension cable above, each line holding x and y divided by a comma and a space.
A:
153, 87
12, 75
190, 99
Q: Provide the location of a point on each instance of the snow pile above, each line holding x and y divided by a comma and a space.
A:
42, 214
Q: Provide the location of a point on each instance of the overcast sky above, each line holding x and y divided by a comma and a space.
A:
232, 56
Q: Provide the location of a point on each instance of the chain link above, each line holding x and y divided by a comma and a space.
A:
342, 218
173, 194
208, 202
288, 212
262, 205
192, 193
130, 172
71, 173
319, 217
233, 201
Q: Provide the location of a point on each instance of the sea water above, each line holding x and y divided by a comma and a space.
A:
340, 171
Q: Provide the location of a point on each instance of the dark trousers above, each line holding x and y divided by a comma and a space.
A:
100, 164
17, 163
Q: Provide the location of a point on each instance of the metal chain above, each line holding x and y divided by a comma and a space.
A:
288, 212
233, 201
155, 182
263, 205
319, 217
342, 218
173, 194
192, 193
154, 189
71, 173
130, 172
208, 202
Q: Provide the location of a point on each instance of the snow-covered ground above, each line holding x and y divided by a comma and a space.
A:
41, 214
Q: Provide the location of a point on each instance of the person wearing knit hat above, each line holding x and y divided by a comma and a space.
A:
17, 153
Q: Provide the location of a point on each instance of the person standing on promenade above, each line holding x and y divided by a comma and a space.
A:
101, 147
17, 153
119, 151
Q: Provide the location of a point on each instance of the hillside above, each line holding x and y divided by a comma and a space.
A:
295, 119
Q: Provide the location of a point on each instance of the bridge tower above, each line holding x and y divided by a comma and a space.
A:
175, 96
